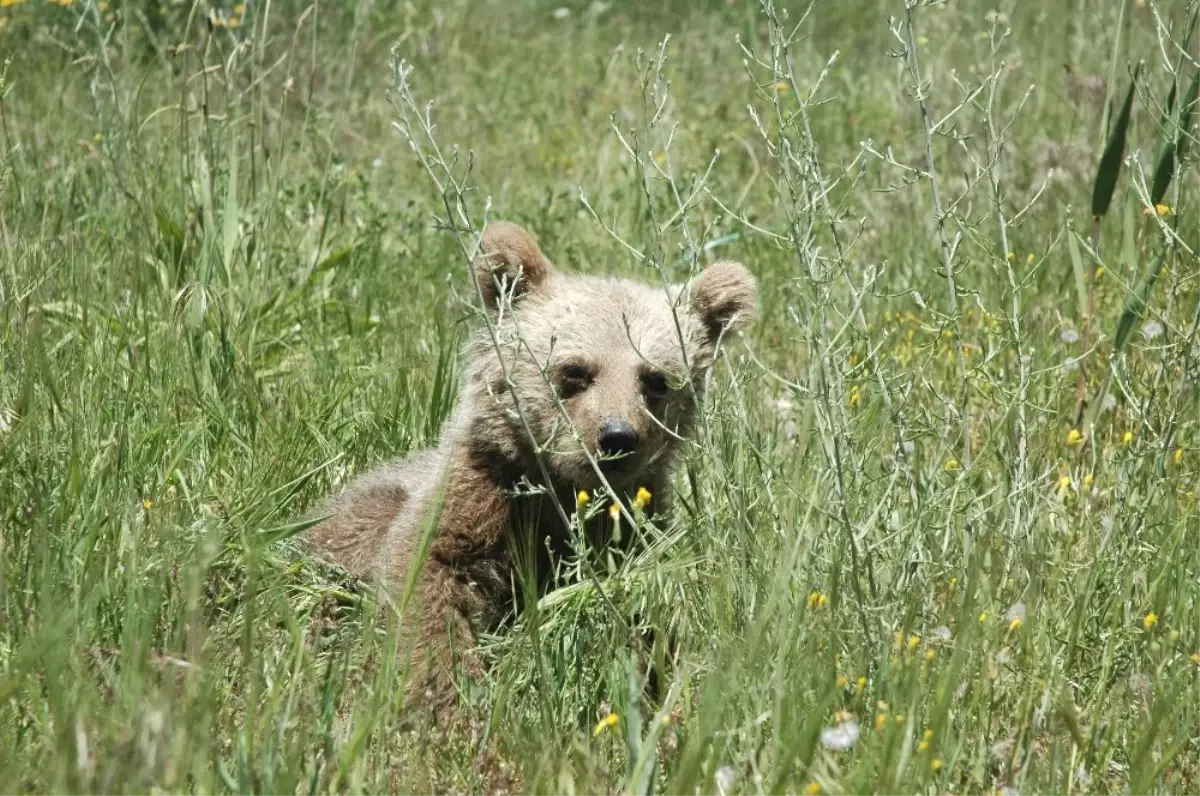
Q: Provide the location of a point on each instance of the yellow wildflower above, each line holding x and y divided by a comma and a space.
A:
880, 721
930, 654
1178, 455
1127, 438
817, 600
913, 641
782, 85
1011, 256
1015, 624
234, 23
1150, 620
1029, 259
923, 746
582, 499
983, 617
1099, 271
842, 681
899, 718
1088, 480
605, 723
812, 789
240, 9
936, 764
951, 465
642, 498
1194, 659
860, 684
614, 511
1064, 484
147, 504
1074, 437
1163, 210
855, 396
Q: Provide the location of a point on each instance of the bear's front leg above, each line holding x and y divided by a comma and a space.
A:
437, 634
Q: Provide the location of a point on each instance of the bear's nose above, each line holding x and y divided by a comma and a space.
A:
617, 437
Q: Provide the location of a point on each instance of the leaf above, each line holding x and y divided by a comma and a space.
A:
1137, 303
1165, 162
1175, 140
1114, 151
278, 534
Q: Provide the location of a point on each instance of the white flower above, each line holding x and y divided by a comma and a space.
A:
562, 12
841, 737
1016, 611
726, 776
941, 634
1003, 749
1151, 330
1068, 336
377, 163
1109, 403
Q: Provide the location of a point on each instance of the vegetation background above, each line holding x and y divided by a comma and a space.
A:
940, 529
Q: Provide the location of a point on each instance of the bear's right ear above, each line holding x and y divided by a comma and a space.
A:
509, 255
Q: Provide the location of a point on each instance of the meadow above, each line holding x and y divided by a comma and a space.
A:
937, 532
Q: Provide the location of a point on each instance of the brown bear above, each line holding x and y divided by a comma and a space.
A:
575, 384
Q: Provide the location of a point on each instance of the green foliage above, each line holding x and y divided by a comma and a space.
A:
893, 565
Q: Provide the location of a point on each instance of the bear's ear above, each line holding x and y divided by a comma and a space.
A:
725, 297
509, 255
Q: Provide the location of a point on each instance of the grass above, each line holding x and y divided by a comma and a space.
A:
224, 292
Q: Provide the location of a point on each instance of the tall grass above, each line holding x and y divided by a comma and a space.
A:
939, 528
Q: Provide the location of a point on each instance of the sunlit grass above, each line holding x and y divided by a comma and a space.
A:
904, 556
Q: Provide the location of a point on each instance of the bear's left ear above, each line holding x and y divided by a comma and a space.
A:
725, 297
509, 255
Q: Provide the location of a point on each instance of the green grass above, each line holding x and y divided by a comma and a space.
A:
224, 292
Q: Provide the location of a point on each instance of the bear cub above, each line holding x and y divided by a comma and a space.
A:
575, 384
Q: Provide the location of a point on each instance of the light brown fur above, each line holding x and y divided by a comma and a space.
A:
547, 325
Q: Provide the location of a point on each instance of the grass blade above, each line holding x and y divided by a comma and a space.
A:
1175, 141
1114, 151
1137, 303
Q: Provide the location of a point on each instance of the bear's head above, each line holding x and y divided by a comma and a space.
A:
597, 370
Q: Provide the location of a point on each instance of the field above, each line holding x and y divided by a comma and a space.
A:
938, 531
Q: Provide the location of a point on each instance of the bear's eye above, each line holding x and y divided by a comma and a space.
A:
574, 379
655, 385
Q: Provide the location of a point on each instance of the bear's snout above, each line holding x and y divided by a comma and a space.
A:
617, 438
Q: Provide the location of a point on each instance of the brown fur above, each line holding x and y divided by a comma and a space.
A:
623, 335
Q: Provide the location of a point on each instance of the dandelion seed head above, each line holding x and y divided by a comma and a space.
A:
841, 736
